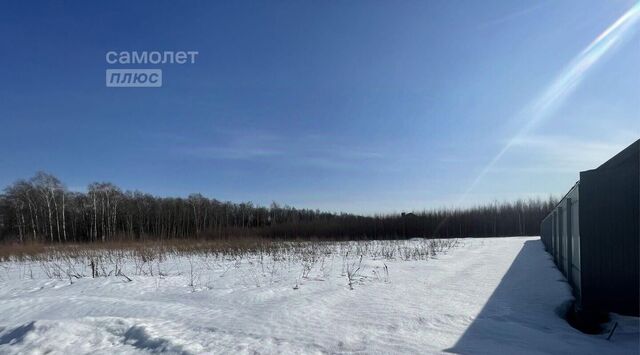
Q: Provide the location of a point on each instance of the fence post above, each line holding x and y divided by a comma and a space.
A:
569, 243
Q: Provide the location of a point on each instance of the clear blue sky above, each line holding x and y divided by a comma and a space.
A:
359, 106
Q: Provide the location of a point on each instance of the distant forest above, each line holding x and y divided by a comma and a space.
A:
41, 209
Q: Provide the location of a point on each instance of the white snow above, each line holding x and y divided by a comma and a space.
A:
495, 295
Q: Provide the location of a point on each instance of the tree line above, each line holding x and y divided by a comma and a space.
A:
42, 209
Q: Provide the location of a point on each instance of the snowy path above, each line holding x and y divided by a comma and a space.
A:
485, 296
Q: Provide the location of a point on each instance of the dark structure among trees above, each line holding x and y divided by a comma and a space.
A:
593, 234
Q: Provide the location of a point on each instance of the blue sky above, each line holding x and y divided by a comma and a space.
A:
359, 106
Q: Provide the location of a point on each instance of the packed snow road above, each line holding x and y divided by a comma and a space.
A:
482, 296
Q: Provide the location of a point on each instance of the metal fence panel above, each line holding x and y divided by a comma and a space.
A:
593, 235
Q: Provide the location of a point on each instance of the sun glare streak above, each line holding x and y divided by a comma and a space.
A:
565, 83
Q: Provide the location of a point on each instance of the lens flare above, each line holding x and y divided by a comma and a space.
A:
566, 82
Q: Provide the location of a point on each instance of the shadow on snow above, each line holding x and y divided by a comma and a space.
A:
518, 315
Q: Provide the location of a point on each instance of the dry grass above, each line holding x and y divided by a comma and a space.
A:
262, 259
39, 251
157, 249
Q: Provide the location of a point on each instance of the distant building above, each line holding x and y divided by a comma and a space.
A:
593, 235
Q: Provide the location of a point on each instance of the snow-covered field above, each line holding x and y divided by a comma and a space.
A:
480, 296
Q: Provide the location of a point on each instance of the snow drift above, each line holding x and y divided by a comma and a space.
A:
495, 295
